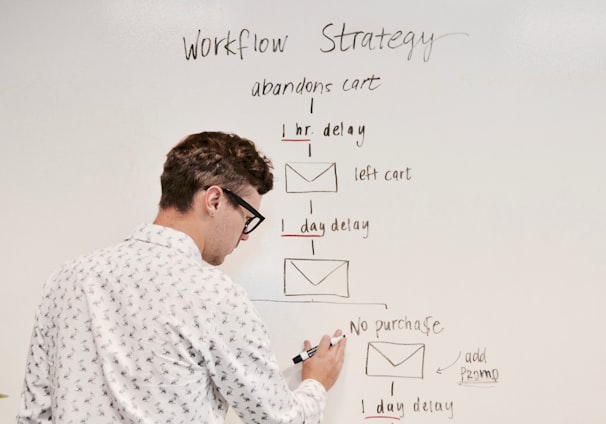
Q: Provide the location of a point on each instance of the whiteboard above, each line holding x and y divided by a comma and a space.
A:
439, 183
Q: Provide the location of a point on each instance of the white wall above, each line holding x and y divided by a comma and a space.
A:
498, 234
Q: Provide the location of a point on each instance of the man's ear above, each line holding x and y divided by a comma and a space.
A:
210, 199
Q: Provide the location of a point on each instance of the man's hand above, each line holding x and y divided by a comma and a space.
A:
325, 366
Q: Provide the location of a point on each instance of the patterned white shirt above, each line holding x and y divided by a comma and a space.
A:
147, 332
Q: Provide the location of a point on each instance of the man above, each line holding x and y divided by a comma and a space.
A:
149, 331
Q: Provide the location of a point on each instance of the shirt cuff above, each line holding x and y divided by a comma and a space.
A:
314, 385
316, 395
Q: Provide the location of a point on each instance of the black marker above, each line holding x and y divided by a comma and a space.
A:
311, 352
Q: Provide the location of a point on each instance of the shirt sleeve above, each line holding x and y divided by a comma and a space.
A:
312, 392
246, 373
35, 403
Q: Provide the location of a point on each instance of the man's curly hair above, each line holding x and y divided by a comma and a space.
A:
212, 158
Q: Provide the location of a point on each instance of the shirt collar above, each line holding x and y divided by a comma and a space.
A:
167, 237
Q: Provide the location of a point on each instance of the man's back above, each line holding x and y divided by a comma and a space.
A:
135, 332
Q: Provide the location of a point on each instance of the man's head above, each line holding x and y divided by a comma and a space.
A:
212, 158
211, 189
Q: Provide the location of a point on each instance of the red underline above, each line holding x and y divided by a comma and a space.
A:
295, 140
301, 235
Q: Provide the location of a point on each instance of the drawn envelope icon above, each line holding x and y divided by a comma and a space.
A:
316, 277
386, 359
311, 177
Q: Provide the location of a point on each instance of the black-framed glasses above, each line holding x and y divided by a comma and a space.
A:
252, 222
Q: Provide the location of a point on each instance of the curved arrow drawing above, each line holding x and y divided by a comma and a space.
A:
440, 369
